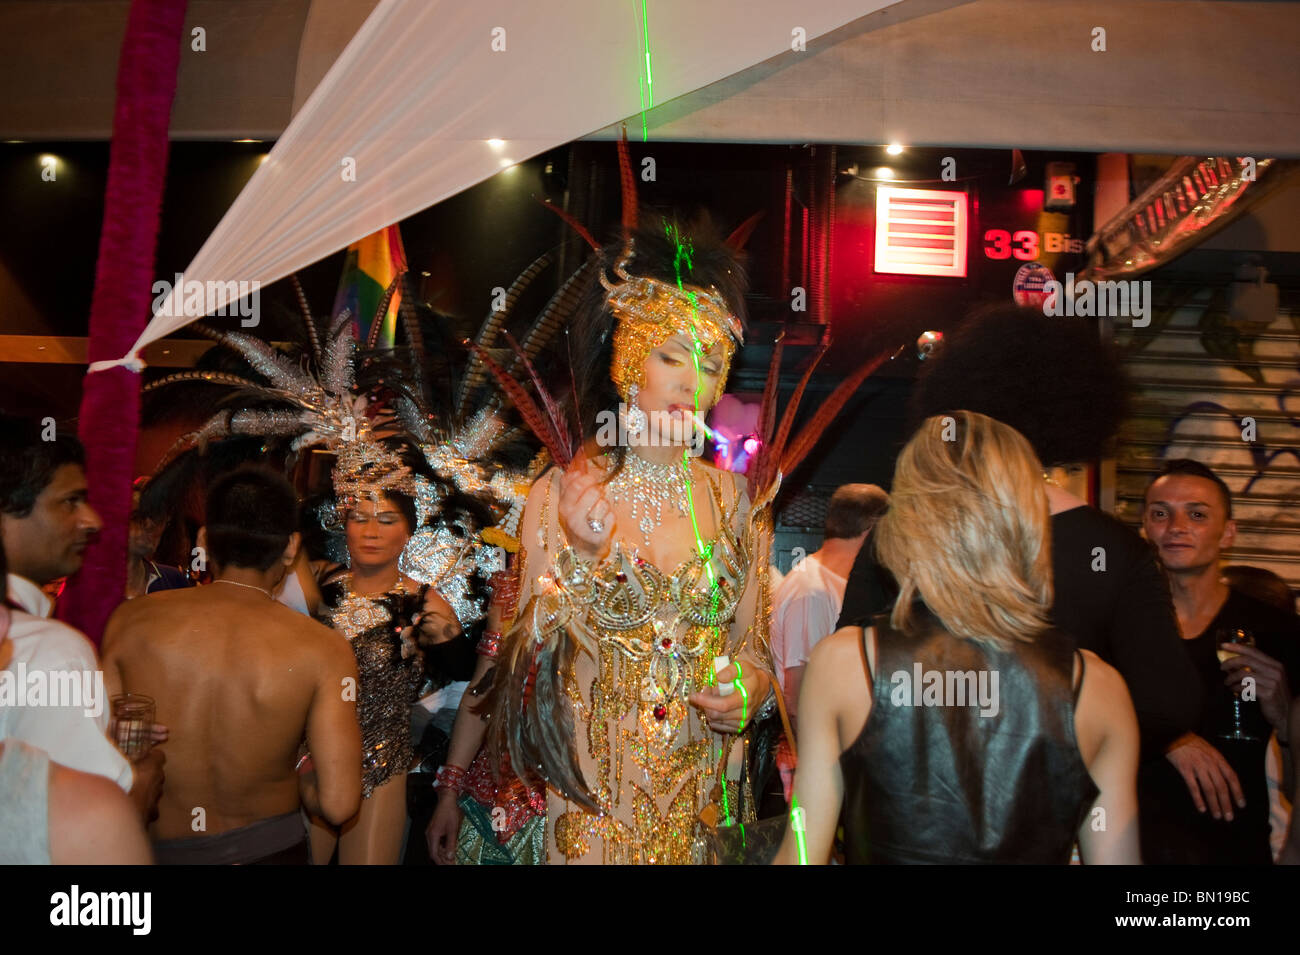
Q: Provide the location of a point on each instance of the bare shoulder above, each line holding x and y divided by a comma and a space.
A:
142, 613
93, 821
1105, 710
120, 625
327, 643
1101, 681
835, 682
842, 648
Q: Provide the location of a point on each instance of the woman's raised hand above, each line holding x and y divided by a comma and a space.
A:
585, 512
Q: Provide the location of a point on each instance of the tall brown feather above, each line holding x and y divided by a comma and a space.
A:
574, 224
558, 310
764, 471
630, 210
211, 377
309, 323
474, 375
792, 408
376, 321
558, 425
813, 430
736, 241
537, 422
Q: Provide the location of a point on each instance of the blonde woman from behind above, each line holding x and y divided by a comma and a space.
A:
1020, 743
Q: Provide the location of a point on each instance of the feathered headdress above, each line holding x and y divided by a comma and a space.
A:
532, 720
328, 402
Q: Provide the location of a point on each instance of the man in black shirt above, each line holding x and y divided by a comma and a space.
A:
1188, 517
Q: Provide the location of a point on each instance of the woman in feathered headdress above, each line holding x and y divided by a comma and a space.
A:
411, 497
635, 660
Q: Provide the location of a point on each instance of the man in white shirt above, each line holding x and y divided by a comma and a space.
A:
48, 654
806, 604
45, 525
45, 517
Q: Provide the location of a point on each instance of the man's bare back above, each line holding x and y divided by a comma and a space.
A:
239, 681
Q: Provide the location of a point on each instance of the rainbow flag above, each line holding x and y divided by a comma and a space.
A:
370, 267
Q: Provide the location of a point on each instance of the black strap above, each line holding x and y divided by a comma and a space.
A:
1079, 684
866, 658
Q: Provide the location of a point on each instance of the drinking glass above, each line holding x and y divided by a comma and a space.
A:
132, 724
1227, 638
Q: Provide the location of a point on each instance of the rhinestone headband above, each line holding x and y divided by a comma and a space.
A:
650, 311
366, 469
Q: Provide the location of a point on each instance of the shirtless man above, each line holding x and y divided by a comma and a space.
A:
239, 680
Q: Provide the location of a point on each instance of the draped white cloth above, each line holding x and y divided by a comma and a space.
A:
403, 118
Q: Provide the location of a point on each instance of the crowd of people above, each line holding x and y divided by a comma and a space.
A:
979, 666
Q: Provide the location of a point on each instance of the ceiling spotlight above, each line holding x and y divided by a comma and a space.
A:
894, 149
884, 172
497, 144
507, 163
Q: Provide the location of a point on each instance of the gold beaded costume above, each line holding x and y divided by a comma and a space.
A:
591, 692
649, 639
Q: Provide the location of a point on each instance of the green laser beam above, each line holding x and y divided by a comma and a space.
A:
796, 825
648, 96
683, 255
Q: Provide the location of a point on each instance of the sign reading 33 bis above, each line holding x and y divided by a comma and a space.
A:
1026, 244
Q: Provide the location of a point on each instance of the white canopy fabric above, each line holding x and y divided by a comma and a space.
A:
403, 118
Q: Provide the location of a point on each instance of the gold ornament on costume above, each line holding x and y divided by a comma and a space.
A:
649, 312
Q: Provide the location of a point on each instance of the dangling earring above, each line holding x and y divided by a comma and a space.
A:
636, 419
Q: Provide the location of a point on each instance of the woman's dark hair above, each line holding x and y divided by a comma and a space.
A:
1052, 379
588, 345
250, 514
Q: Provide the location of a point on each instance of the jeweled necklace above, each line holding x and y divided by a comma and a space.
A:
398, 588
646, 487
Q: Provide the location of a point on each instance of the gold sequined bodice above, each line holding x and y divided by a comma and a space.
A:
649, 758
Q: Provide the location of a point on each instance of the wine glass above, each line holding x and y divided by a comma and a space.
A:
1227, 638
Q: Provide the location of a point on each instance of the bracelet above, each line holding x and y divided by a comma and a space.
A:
505, 591
450, 777
489, 645
769, 704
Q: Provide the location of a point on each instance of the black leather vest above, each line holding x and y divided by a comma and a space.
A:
969, 753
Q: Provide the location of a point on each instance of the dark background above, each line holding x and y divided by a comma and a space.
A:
482, 238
